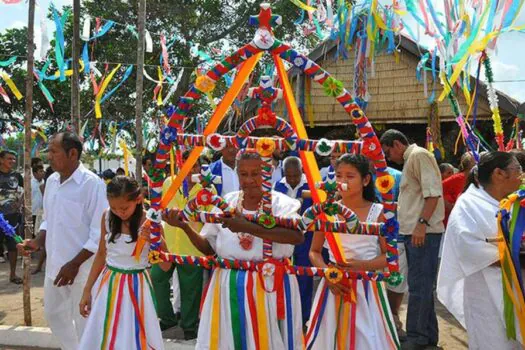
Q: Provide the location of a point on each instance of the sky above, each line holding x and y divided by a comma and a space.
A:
508, 60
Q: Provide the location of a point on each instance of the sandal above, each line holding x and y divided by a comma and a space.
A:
16, 280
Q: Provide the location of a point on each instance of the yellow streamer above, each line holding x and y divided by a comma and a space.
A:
125, 150
161, 81
302, 5
69, 72
216, 313
11, 85
308, 98
98, 111
172, 163
261, 314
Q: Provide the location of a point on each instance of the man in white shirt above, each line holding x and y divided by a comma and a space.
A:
225, 168
74, 199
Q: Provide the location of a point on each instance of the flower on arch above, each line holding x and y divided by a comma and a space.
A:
332, 87
265, 147
385, 183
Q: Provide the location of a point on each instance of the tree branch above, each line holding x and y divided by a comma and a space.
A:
242, 20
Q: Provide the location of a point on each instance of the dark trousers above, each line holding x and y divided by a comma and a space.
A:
190, 282
306, 283
421, 323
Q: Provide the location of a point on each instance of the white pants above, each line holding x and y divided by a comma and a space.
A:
62, 312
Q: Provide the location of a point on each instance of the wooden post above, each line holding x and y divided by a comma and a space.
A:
75, 48
28, 229
139, 89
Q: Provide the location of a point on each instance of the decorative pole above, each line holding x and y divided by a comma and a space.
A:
139, 89
75, 90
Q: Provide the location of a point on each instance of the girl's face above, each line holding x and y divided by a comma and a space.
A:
348, 174
123, 207
250, 175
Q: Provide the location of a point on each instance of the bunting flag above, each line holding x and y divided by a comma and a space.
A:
98, 111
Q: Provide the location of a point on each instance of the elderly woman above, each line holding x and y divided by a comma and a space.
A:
469, 281
241, 309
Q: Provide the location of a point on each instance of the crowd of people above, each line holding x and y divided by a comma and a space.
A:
90, 230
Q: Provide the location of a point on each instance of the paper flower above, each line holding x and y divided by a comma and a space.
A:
324, 147
357, 113
390, 228
268, 269
265, 147
299, 62
154, 257
266, 221
216, 142
168, 135
385, 183
204, 197
154, 215
205, 84
333, 274
332, 87
395, 279
266, 116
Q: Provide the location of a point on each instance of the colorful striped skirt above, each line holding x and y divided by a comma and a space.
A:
365, 324
123, 312
238, 313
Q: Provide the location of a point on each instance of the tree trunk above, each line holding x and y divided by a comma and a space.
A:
28, 219
75, 48
139, 88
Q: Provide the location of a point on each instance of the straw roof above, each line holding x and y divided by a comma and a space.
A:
396, 96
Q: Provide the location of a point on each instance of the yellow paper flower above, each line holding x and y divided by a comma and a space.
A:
205, 84
385, 183
265, 147
333, 274
154, 257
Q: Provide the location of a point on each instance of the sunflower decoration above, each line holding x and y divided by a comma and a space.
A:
385, 183
205, 84
265, 147
332, 87
333, 274
154, 257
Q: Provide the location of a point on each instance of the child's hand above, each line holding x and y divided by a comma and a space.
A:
85, 304
171, 217
145, 231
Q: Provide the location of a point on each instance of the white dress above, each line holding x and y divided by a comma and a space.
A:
123, 313
237, 312
469, 285
365, 324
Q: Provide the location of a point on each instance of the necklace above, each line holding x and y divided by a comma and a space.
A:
245, 239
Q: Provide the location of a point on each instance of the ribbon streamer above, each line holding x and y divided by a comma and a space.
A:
86, 29
127, 73
165, 62
11, 85
149, 42
98, 111
8, 62
303, 6
4, 95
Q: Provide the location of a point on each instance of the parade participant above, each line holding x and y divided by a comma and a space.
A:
455, 184
293, 184
225, 168
237, 311
446, 170
470, 280
117, 299
333, 159
366, 317
74, 200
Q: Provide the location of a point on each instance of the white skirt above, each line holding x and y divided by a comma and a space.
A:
122, 314
365, 324
238, 313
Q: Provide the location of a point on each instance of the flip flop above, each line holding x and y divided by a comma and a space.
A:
16, 280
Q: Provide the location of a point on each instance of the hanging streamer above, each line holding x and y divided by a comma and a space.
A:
125, 77
8, 62
86, 29
303, 6
11, 85
149, 42
164, 56
157, 93
4, 95
98, 111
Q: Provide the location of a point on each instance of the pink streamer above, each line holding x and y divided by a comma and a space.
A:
165, 62
4, 95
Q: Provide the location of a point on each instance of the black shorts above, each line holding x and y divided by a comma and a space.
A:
15, 221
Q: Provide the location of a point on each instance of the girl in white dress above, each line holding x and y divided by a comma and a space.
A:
337, 322
118, 294
240, 310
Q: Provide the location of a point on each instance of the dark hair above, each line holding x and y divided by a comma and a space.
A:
488, 162
120, 169
49, 172
37, 167
146, 158
362, 164
444, 167
247, 154
108, 174
520, 156
71, 141
35, 161
392, 135
5, 152
124, 186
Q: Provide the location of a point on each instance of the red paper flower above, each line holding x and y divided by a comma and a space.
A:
204, 197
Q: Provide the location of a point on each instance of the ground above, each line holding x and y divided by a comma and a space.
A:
452, 335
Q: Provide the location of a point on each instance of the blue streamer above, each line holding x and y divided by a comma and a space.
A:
511, 14
127, 73
300, 20
85, 58
289, 315
438, 23
137, 326
105, 28
492, 13
59, 43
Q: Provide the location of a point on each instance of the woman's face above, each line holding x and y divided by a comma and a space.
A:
349, 175
123, 207
512, 177
250, 175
